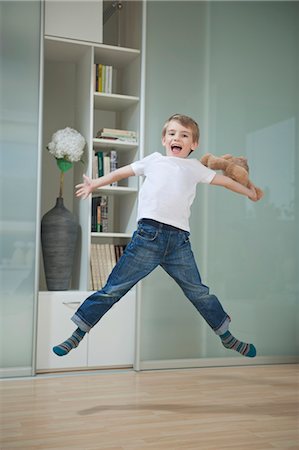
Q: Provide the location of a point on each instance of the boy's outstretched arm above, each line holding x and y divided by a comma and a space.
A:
228, 183
89, 185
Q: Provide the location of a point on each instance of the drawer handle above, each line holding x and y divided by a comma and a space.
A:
71, 305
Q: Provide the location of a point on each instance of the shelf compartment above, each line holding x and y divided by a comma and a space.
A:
61, 50
114, 102
71, 50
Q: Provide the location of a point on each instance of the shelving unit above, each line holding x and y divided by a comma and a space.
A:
70, 100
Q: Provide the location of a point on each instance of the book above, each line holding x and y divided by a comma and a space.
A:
100, 157
102, 276
99, 219
103, 258
95, 203
104, 214
106, 164
117, 131
94, 267
113, 164
99, 214
95, 170
103, 163
112, 255
110, 133
103, 75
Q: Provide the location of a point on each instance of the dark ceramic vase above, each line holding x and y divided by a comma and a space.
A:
59, 234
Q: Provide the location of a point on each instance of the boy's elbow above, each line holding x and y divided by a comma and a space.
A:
221, 180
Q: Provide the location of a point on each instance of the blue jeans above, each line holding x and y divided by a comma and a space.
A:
154, 244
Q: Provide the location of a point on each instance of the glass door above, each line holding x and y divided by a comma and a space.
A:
235, 70
19, 118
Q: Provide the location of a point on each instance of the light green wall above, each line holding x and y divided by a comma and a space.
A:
19, 88
233, 66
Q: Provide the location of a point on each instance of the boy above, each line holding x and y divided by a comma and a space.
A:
162, 236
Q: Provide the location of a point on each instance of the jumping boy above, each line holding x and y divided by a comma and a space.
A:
162, 236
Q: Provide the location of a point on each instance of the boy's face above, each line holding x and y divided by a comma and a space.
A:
178, 140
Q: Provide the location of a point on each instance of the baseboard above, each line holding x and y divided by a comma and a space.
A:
12, 372
216, 362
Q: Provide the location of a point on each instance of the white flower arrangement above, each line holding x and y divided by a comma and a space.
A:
67, 144
67, 147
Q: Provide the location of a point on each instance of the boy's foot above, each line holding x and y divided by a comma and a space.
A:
72, 342
229, 341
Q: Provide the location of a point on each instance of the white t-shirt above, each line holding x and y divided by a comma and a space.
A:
169, 187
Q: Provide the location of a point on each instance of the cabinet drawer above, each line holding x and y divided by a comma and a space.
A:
55, 310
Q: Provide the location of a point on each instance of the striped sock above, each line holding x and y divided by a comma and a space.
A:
229, 341
72, 342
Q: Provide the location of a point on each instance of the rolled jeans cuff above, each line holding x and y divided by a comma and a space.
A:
79, 322
224, 327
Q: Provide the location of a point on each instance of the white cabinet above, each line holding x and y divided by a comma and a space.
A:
54, 326
109, 343
75, 19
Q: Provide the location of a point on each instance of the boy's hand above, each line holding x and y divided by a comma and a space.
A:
253, 195
84, 189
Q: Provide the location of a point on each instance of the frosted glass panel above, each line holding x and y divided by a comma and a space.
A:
234, 69
19, 90
253, 96
170, 326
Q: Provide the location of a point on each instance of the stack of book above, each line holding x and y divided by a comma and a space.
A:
104, 163
117, 135
103, 258
103, 78
99, 214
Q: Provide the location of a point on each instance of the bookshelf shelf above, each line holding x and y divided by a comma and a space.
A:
118, 57
119, 190
117, 145
111, 235
114, 102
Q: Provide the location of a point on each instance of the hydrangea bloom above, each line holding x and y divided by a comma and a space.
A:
67, 144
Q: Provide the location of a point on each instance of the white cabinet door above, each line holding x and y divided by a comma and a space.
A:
75, 19
55, 310
112, 341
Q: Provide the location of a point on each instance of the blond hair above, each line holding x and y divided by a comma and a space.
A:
187, 122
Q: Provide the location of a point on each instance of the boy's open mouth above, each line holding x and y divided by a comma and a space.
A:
176, 148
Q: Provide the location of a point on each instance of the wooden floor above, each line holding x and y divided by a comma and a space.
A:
212, 408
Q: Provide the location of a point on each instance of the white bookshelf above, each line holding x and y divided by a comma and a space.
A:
69, 99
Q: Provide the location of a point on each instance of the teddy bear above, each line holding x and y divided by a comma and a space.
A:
233, 167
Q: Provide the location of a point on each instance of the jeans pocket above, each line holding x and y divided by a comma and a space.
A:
147, 232
185, 237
